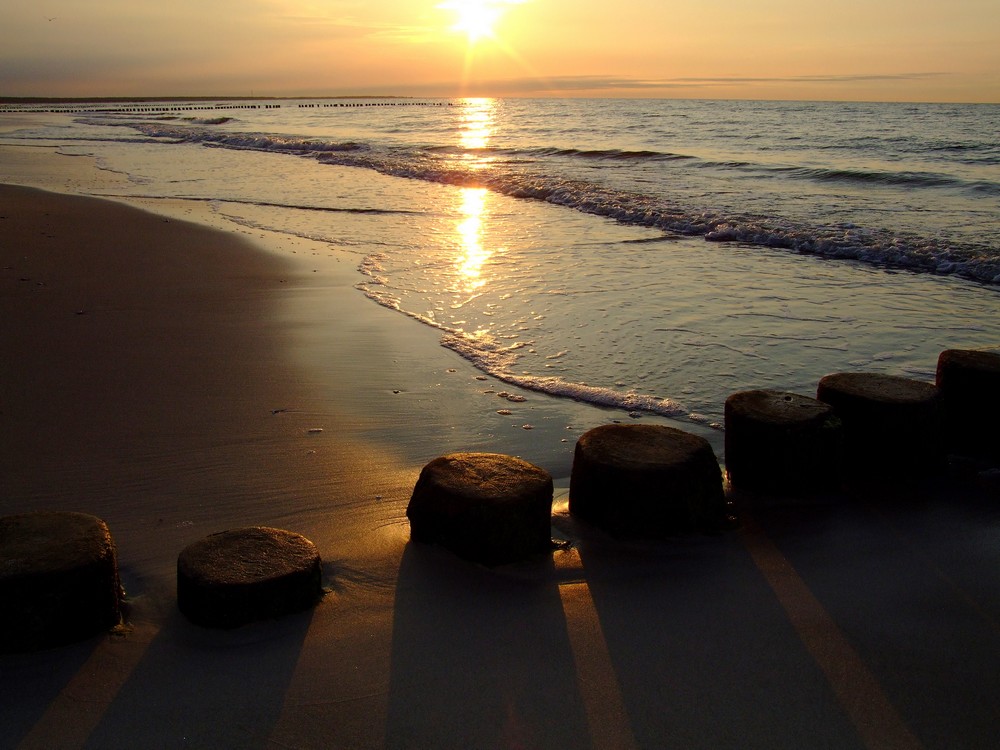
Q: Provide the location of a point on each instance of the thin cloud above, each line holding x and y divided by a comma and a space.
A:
848, 78
598, 83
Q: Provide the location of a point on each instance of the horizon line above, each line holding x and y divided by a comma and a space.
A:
292, 97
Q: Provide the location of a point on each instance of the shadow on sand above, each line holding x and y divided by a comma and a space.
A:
196, 687
30, 682
704, 655
480, 657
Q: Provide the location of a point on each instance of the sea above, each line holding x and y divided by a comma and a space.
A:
646, 256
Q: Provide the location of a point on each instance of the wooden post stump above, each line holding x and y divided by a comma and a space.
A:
646, 481
485, 507
891, 424
969, 382
58, 580
238, 576
781, 442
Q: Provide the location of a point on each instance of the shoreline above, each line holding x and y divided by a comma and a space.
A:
180, 402
127, 368
440, 397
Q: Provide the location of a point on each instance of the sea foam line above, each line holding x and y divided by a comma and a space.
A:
498, 360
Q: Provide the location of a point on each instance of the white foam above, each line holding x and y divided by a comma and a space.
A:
498, 361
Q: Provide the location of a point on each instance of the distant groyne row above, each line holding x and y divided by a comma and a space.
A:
374, 104
131, 108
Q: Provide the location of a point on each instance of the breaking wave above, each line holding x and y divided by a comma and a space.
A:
522, 173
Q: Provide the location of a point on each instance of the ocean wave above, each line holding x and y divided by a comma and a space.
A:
194, 120
239, 141
974, 153
608, 154
277, 144
984, 187
906, 179
551, 151
208, 120
979, 262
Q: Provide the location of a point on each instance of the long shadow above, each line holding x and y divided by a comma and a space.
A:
704, 654
202, 688
480, 657
911, 577
30, 682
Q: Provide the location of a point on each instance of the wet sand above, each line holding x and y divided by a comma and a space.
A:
166, 377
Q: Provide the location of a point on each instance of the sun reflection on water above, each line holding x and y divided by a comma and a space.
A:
473, 255
477, 125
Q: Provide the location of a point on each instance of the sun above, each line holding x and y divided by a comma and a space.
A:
476, 18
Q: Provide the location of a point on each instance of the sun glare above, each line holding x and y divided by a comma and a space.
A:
476, 18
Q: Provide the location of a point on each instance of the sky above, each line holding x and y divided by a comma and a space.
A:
882, 50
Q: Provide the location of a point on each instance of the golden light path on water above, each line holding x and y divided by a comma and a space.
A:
475, 251
473, 254
478, 122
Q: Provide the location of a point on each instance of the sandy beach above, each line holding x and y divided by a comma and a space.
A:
177, 380
147, 382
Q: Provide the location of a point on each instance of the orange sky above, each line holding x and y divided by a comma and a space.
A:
912, 50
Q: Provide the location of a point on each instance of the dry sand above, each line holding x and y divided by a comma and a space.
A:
165, 377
